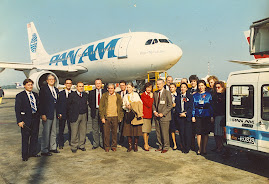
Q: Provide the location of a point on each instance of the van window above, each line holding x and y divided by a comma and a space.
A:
242, 101
265, 102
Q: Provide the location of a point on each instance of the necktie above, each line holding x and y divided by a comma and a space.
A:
54, 96
80, 94
99, 97
32, 102
159, 97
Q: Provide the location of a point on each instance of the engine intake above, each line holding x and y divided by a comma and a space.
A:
39, 79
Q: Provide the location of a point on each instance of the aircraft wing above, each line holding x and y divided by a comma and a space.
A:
253, 63
29, 66
249, 63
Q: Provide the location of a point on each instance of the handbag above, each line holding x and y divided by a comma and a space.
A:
130, 116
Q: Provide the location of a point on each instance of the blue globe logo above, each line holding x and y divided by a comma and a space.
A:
33, 43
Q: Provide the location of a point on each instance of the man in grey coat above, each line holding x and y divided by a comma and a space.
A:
162, 106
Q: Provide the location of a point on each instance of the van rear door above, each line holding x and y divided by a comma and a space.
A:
241, 113
263, 112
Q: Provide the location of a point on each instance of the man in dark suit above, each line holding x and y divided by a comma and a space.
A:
162, 106
94, 100
62, 112
48, 102
28, 118
77, 109
122, 93
169, 80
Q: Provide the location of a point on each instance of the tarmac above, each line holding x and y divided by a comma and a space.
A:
97, 166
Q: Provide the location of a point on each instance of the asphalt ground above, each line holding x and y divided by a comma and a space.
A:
96, 166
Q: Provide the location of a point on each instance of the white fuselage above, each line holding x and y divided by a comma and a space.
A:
121, 57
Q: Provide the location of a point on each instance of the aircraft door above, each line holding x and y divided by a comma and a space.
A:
263, 112
123, 47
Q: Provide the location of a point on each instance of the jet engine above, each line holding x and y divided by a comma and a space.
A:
40, 77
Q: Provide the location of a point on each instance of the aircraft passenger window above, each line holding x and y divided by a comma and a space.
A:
163, 41
155, 41
242, 101
265, 102
148, 42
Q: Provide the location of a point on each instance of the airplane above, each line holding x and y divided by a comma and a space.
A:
260, 39
18, 85
129, 56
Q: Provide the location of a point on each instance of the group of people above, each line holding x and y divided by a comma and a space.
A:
193, 111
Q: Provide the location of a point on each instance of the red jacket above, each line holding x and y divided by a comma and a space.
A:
147, 105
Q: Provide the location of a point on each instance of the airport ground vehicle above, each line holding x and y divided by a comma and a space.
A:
247, 111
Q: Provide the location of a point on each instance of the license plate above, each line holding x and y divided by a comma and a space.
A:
246, 139
243, 138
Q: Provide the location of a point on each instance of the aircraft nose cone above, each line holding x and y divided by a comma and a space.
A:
176, 54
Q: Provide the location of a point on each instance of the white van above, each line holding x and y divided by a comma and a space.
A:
247, 110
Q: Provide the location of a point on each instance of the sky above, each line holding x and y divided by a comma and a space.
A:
207, 31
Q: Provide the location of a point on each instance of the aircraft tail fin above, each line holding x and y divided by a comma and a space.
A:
37, 51
247, 35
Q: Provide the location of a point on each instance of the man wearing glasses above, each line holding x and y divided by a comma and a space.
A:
48, 102
62, 112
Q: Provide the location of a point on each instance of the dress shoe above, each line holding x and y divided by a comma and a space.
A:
25, 159
146, 149
164, 151
35, 155
82, 149
114, 149
55, 151
74, 151
61, 147
94, 148
106, 149
159, 149
46, 154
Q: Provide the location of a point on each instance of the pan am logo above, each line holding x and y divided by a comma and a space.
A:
33, 43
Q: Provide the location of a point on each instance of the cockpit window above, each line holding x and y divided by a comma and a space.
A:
148, 42
170, 41
155, 41
163, 41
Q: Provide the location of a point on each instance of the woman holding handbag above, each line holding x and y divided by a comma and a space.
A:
132, 130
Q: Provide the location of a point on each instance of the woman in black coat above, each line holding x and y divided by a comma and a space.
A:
184, 105
219, 106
